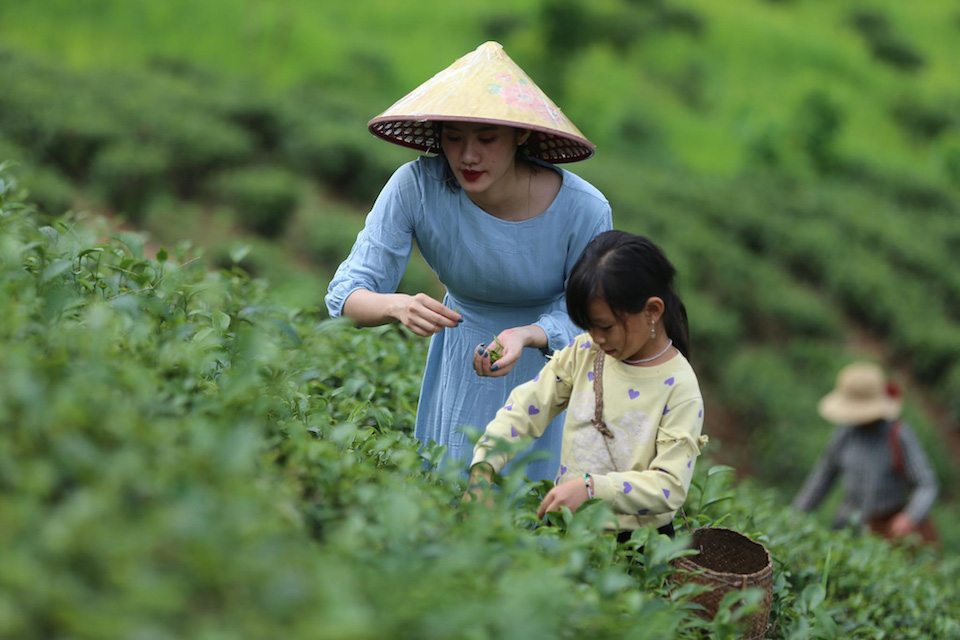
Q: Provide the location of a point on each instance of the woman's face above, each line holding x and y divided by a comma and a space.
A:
480, 155
619, 337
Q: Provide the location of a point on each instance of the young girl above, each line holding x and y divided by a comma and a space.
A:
636, 448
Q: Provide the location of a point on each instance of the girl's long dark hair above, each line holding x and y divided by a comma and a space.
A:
626, 270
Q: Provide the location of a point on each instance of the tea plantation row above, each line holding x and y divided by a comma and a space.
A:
182, 459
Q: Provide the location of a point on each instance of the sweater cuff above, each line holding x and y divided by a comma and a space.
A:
483, 454
603, 488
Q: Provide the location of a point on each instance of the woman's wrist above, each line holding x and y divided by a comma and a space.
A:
370, 309
532, 336
395, 303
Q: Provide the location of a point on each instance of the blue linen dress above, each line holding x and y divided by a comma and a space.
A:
499, 274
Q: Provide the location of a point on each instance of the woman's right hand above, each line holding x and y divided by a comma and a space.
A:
422, 314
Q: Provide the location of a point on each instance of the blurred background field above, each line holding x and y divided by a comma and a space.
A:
798, 160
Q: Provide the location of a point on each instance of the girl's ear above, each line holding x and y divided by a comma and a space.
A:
654, 308
523, 136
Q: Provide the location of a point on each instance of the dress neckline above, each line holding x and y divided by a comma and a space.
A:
553, 203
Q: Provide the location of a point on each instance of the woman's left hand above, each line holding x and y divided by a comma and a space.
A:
570, 494
514, 341
513, 344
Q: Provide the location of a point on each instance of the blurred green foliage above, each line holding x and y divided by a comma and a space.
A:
263, 197
799, 162
183, 458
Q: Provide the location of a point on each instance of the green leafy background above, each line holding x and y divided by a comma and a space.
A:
192, 449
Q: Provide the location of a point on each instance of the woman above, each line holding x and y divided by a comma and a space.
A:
500, 225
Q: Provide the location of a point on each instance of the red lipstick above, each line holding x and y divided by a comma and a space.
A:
470, 175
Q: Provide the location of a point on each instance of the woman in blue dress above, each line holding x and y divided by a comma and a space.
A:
499, 224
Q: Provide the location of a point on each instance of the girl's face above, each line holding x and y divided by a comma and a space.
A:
623, 337
480, 155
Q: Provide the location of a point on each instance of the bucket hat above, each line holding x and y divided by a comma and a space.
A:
484, 86
861, 396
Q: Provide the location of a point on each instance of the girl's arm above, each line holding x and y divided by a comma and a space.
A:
529, 410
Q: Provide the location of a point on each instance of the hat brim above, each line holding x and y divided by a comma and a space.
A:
418, 132
839, 409
484, 86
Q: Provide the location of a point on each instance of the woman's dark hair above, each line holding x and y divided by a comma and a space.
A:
626, 270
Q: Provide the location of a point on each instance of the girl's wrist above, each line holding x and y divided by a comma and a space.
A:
588, 481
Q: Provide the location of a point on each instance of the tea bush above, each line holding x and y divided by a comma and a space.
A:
128, 175
341, 154
263, 197
182, 458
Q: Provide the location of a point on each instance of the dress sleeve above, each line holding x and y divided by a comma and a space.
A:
662, 486
382, 249
921, 475
529, 410
824, 474
557, 325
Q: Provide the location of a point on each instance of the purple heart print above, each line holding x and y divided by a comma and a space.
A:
669, 381
532, 410
627, 487
633, 394
513, 432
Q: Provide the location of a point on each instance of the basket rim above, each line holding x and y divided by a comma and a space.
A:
737, 578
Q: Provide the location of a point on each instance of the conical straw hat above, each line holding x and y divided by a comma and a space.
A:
483, 86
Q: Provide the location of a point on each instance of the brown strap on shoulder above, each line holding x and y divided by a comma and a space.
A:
597, 421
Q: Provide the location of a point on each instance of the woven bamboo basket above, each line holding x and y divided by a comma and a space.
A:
728, 561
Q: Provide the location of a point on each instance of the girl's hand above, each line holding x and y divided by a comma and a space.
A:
422, 314
571, 494
514, 341
481, 485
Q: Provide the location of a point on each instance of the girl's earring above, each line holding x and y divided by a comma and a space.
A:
653, 330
